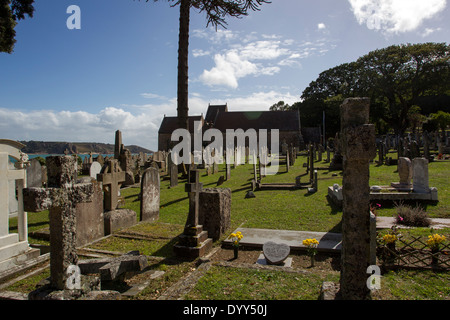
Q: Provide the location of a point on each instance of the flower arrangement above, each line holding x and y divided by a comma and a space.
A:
236, 238
389, 238
311, 245
434, 241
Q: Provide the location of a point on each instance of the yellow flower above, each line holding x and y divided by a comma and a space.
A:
310, 242
435, 240
389, 238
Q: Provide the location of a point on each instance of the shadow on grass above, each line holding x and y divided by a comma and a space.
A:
174, 201
335, 209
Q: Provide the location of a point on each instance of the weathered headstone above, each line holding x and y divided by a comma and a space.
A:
34, 174
404, 168
215, 211
118, 145
311, 163
420, 175
90, 219
150, 195
173, 171
275, 253
358, 142
95, 169
112, 177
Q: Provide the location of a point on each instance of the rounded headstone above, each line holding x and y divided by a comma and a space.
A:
95, 169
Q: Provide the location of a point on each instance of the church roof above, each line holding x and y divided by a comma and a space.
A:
282, 120
170, 124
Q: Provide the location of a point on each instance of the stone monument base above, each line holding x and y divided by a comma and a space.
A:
17, 253
193, 243
119, 218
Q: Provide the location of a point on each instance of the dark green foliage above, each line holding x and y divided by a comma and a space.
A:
10, 12
395, 78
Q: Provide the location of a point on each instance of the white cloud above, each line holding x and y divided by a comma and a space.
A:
429, 31
80, 126
229, 68
395, 16
139, 123
259, 101
321, 26
200, 53
152, 96
254, 55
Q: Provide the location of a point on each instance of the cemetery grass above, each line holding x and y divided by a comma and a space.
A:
274, 209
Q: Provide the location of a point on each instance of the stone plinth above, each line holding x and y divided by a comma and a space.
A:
215, 211
118, 219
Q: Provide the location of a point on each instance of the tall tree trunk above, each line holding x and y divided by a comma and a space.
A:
183, 54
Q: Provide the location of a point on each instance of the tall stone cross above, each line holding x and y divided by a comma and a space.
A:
111, 176
358, 144
61, 198
194, 241
193, 188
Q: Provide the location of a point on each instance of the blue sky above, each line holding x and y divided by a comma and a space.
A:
119, 70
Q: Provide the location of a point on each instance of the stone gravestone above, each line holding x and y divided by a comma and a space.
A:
275, 253
95, 169
14, 248
420, 175
359, 148
404, 168
112, 177
173, 172
90, 218
34, 174
194, 241
61, 198
215, 211
150, 195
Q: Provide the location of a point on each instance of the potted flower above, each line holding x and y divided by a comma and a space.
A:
389, 240
434, 242
311, 245
236, 238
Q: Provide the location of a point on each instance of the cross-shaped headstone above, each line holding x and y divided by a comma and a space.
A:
111, 176
194, 187
61, 198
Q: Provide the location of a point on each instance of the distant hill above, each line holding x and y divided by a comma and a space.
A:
47, 147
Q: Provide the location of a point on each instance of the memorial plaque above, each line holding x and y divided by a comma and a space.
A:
275, 253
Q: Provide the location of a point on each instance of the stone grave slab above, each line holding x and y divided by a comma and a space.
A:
254, 237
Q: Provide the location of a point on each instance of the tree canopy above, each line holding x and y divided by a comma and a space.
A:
10, 12
395, 78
